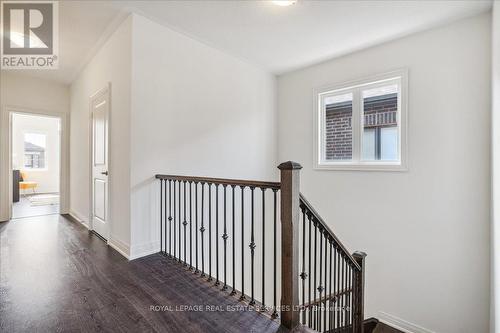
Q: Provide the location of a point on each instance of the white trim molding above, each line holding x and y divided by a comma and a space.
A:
6, 157
401, 324
120, 247
134, 252
5, 196
78, 217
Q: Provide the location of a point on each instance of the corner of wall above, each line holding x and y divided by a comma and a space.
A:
110, 64
120, 247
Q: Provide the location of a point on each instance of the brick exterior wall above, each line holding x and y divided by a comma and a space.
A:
338, 118
380, 111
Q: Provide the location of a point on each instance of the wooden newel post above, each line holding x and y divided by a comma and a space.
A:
359, 293
290, 201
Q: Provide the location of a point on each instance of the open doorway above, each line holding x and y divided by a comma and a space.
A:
36, 163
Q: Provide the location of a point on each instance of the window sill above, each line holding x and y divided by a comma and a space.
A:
367, 166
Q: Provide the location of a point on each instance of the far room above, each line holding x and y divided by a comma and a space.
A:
35, 164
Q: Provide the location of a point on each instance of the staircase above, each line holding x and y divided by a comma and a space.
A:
263, 244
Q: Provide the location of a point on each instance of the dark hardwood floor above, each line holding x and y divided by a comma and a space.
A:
57, 277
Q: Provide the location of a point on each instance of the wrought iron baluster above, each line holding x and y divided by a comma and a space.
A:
179, 221
263, 246
161, 216
320, 287
224, 237
233, 292
202, 230
349, 287
315, 312
175, 233
170, 218
190, 225
349, 298
346, 294
196, 222
209, 232
185, 224
352, 272
217, 281
242, 297
275, 303
303, 274
330, 317
346, 314
325, 235
334, 285
165, 218
346, 305
342, 313
338, 301
310, 271
252, 248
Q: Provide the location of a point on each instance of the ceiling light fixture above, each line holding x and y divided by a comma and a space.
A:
284, 3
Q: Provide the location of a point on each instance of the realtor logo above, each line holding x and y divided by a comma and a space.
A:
29, 35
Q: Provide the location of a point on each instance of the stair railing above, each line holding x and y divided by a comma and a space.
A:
332, 286
228, 232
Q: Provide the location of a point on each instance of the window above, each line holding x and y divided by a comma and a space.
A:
362, 125
34, 150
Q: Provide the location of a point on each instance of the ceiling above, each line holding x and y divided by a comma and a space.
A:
277, 39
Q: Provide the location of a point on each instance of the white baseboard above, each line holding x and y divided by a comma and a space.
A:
120, 247
401, 324
77, 217
125, 250
145, 249
116, 244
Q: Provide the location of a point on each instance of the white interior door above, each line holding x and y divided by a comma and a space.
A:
100, 192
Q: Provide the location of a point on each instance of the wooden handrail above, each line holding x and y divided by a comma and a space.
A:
328, 297
222, 181
318, 218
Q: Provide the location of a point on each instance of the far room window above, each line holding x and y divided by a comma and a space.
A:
362, 125
34, 150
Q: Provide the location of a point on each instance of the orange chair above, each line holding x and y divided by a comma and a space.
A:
26, 185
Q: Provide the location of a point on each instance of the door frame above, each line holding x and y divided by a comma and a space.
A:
6, 157
106, 90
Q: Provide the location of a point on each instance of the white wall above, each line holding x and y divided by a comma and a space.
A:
195, 111
174, 104
111, 65
47, 177
495, 149
26, 93
426, 231
33, 93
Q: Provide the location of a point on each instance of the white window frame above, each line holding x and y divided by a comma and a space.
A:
355, 87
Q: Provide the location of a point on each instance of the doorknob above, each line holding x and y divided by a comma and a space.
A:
104, 173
